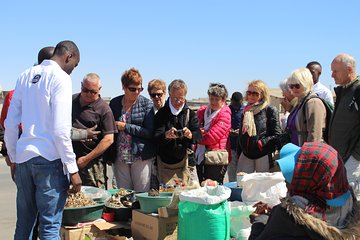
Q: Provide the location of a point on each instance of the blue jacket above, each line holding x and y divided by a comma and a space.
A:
140, 127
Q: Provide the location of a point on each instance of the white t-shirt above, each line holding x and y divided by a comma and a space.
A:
323, 92
42, 103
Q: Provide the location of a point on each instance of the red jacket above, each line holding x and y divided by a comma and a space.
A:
5, 107
217, 135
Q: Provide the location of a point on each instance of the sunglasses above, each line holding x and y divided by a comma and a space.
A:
250, 93
178, 99
133, 89
85, 90
297, 86
154, 95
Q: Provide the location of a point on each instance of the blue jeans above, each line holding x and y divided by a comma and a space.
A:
41, 189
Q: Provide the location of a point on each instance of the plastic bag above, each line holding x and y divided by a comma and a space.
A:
96, 194
203, 221
265, 187
204, 213
240, 226
206, 195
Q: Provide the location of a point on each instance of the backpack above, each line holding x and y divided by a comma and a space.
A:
329, 111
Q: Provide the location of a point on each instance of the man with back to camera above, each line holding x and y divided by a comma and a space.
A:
237, 107
344, 129
43, 154
44, 53
89, 109
319, 89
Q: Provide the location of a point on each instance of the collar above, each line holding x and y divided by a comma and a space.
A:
350, 83
89, 105
173, 110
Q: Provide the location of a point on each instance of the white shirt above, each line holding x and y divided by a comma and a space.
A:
43, 107
323, 92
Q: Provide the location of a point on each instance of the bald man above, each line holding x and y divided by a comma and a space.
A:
89, 109
344, 129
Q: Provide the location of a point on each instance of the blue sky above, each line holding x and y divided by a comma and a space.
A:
232, 42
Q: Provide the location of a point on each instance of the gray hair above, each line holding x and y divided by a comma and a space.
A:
177, 84
218, 90
284, 85
93, 78
347, 60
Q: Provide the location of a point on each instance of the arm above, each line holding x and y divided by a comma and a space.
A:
315, 114
84, 134
12, 121
61, 122
147, 130
273, 129
194, 128
5, 107
104, 144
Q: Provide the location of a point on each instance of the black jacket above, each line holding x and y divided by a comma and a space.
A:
288, 221
173, 151
267, 129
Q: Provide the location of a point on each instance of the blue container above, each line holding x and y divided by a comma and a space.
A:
235, 191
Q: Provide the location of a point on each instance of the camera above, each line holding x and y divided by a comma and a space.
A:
179, 133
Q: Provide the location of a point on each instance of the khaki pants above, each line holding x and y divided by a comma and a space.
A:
169, 174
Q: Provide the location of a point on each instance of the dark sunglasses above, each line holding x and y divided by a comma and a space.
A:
154, 95
297, 86
85, 90
133, 89
250, 93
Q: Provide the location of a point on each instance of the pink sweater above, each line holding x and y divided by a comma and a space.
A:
217, 135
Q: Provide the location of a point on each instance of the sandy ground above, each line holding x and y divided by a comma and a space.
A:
8, 201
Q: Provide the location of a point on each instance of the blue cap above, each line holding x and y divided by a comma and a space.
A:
288, 157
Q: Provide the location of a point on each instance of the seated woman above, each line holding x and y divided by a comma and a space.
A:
260, 128
320, 203
306, 121
215, 123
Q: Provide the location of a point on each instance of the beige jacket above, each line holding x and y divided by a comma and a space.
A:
310, 125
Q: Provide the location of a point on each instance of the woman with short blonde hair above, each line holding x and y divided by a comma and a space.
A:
306, 121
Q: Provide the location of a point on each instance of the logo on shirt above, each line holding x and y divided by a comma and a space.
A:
36, 78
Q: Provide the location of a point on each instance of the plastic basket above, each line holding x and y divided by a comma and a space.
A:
149, 204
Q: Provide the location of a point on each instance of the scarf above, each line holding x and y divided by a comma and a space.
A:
173, 110
249, 126
208, 117
319, 175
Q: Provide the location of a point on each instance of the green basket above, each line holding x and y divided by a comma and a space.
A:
150, 204
73, 216
113, 191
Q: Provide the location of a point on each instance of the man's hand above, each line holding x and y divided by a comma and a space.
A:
7, 160
76, 183
12, 170
91, 133
171, 133
187, 133
82, 162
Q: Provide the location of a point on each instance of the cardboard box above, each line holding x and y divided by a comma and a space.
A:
149, 227
98, 229
74, 233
